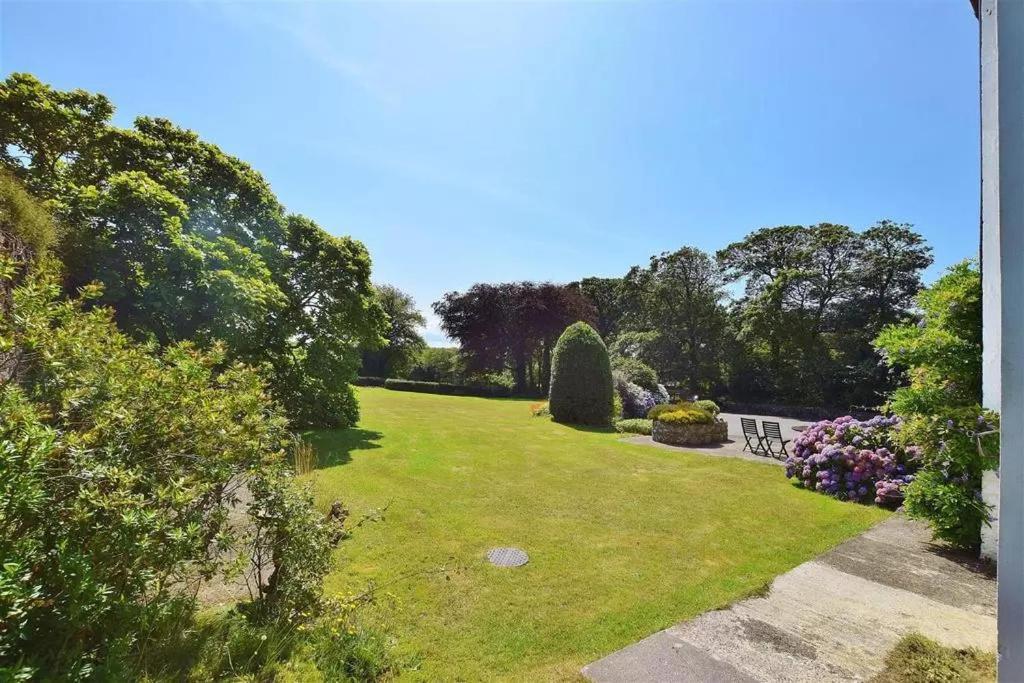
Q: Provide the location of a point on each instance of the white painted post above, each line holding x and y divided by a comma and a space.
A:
990, 272
990, 202
1008, 173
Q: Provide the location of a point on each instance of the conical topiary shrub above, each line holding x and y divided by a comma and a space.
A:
581, 378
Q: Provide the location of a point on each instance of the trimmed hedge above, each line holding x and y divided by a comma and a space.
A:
448, 389
581, 378
369, 381
809, 413
634, 426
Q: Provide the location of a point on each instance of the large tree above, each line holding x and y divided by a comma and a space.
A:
404, 342
478, 320
815, 296
190, 243
610, 306
678, 297
512, 326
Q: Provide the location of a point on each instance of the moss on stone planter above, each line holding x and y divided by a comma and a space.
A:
690, 434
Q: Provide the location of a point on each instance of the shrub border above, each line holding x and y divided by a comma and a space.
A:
809, 413
490, 391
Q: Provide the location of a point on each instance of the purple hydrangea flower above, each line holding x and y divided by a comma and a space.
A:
854, 460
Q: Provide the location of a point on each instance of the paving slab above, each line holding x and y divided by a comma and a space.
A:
831, 619
664, 657
938, 574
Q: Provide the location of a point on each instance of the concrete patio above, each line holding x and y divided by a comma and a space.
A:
732, 448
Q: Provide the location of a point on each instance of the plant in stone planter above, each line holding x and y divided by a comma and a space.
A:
686, 424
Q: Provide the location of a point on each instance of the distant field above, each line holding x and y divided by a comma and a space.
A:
623, 539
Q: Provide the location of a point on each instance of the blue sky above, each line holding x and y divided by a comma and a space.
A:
467, 142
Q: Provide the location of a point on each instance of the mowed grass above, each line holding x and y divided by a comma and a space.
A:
623, 539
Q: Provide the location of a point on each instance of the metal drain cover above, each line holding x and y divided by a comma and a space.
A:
507, 557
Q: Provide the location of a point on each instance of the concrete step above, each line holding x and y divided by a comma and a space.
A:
821, 623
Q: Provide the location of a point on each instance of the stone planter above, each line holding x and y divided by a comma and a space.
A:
690, 434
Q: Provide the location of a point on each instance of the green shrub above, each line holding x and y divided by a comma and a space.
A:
369, 381
660, 409
637, 425
313, 382
331, 646
663, 408
644, 346
191, 244
581, 378
22, 217
686, 416
683, 412
121, 467
637, 372
434, 364
941, 405
709, 406
448, 389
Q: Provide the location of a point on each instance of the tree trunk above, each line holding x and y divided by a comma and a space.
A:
519, 371
545, 368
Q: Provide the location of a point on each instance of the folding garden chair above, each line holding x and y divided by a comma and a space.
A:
750, 433
773, 441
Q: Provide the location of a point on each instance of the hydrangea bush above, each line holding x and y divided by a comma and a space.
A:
636, 400
854, 460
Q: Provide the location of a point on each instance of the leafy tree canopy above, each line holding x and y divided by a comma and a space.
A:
130, 474
512, 325
190, 243
679, 298
404, 342
958, 440
815, 296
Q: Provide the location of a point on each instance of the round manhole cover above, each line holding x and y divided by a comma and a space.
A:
507, 557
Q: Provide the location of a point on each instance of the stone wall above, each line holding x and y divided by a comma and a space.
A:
690, 434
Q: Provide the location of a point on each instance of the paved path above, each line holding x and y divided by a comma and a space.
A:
831, 619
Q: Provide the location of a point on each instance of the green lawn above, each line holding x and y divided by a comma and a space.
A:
623, 539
